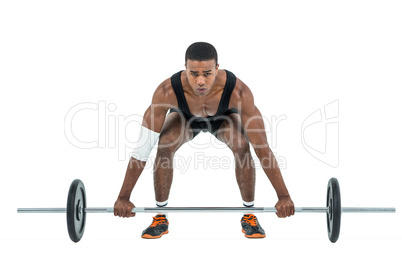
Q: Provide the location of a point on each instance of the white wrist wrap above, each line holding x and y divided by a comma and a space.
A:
146, 141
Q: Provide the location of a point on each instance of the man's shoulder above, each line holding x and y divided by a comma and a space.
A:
164, 92
240, 90
242, 98
166, 85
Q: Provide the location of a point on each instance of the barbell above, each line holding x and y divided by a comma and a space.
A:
77, 209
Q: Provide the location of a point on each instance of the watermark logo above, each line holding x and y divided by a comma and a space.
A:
320, 134
113, 131
120, 132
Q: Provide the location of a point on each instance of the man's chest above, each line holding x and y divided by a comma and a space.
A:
204, 106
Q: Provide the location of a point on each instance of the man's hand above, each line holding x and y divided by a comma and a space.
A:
123, 208
285, 207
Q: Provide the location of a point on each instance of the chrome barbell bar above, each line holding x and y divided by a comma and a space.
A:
213, 209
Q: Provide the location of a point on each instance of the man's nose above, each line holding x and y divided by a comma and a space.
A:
200, 81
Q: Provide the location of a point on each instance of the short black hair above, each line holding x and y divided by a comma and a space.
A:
201, 51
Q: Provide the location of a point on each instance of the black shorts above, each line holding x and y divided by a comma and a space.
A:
209, 124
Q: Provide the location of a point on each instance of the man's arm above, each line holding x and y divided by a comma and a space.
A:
153, 119
253, 124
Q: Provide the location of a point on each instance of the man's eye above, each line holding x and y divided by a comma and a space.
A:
207, 74
193, 74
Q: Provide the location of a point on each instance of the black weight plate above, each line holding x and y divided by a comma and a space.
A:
76, 204
335, 210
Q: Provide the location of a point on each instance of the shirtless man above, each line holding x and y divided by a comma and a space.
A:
203, 98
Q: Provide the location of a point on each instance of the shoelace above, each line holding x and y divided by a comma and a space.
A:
250, 219
157, 221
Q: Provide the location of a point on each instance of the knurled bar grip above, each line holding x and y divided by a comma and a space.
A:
213, 209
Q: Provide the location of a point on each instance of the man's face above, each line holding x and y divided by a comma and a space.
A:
201, 75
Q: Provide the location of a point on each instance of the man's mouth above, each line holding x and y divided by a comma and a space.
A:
201, 90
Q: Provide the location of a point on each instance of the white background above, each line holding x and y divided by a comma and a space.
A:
296, 56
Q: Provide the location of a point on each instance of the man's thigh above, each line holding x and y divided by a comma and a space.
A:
175, 130
231, 129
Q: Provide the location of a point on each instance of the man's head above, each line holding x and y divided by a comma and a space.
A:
201, 67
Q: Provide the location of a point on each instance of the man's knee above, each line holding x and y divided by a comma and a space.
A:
240, 145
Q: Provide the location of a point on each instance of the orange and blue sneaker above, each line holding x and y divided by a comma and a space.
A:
159, 227
250, 227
